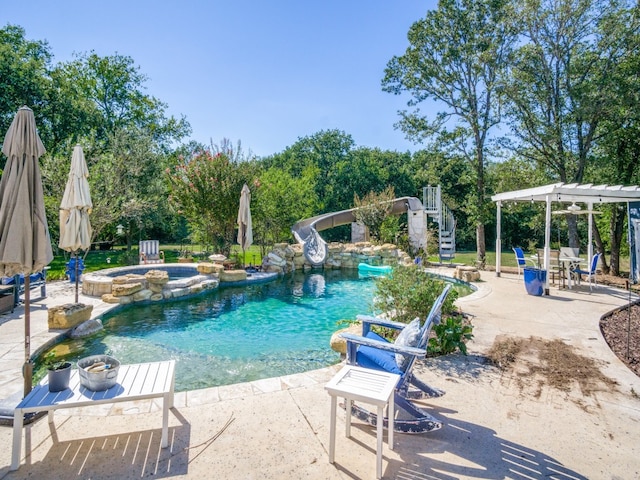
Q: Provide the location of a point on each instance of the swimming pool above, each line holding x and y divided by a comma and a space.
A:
233, 335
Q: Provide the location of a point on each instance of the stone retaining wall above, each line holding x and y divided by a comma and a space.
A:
285, 258
143, 283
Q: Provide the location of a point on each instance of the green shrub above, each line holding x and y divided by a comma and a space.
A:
450, 335
409, 292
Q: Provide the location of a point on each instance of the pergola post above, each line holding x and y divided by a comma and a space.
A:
498, 239
547, 243
590, 245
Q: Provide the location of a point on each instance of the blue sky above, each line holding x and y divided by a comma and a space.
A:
263, 72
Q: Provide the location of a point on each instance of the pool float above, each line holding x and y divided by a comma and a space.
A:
373, 269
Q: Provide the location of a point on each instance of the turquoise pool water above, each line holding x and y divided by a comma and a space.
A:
236, 335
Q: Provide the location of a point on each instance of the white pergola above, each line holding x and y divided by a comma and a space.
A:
573, 193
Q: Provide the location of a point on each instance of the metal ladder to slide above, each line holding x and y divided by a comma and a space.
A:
443, 216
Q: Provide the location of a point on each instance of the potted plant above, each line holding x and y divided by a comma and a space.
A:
59, 372
185, 256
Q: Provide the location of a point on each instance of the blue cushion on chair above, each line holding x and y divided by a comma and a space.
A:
369, 357
34, 277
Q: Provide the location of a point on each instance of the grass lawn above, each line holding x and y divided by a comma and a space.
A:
118, 257
508, 259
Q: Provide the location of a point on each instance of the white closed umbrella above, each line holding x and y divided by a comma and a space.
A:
75, 207
245, 230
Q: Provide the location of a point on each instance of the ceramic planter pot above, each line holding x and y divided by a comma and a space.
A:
59, 379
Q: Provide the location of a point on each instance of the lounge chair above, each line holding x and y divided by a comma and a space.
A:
150, 252
372, 351
36, 280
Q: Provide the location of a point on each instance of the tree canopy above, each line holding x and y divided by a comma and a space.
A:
503, 95
455, 58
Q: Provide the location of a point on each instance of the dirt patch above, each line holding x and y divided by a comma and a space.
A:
536, 363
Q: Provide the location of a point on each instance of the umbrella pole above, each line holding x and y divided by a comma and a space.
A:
76, 276
27, 369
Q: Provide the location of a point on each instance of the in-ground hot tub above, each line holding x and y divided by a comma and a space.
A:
96, 284
137, 283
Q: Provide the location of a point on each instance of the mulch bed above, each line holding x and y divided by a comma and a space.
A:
621, 330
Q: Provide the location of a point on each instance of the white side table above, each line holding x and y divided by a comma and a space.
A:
135, 382
368, 386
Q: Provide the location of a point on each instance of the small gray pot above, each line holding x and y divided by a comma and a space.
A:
59, 379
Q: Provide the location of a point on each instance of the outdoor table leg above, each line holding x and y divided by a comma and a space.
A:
379, 433
332, 429
18, 417
391, 409
164, 443
347, 427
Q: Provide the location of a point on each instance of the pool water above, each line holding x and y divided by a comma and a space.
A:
234, 335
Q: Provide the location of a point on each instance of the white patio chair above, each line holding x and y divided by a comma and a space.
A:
150, 252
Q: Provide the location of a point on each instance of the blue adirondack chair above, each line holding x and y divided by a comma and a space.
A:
372, 351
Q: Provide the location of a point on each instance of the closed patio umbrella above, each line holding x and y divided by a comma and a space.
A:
25, 245
75, 228
245, 231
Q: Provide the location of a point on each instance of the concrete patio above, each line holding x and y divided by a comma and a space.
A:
279, 428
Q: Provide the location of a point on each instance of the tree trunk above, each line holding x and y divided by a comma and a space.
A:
481, 248
574, 238
480, 245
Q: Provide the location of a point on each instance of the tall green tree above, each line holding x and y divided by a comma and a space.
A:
323, 150
373, 170
455, 58
127, 185
205, 189
561, 81
279, 201
24, 66
112, 89
618, 153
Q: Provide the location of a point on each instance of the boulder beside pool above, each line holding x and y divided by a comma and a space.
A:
68, 315
207, 268
339, 344
86, 329
233, 275
466, 273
